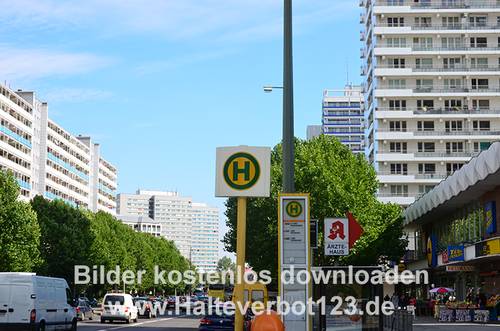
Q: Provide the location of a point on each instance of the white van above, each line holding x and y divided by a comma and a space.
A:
119, 307
31, 302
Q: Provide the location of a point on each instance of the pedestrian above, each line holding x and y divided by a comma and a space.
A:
395, 300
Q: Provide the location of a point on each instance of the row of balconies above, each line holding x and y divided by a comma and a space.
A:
442, 111
436, 153
424, 27
438, 4
441, 133
435, 68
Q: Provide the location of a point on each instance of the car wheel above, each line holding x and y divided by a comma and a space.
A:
41, 326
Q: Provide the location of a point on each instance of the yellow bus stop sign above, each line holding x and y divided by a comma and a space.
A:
241, 171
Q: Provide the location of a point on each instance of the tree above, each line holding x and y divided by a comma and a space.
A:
66, 237
225, 264
338, 181
19, 234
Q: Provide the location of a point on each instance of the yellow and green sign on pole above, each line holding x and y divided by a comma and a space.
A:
242, 172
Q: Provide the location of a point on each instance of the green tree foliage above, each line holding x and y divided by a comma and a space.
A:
19, 230
65, 240
51, 237
225, 264
338, 181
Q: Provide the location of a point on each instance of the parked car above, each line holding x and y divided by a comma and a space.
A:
170, 301
215, 322
146, 307
31, 302
118, 307
84, 309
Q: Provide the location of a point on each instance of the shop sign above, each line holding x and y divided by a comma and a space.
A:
490, 247
490, 217
456, 253
460, 268
432, 251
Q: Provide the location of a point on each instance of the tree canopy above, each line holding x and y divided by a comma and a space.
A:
338, 181
19, 230
51, 237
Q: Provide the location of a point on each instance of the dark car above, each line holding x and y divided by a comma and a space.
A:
170, 301
145, 306
83, 309
222, 321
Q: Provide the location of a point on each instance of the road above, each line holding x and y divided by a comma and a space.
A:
454, 327
175, 323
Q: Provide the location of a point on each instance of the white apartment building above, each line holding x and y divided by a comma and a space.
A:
193, 227
142, 224
47, 160
343, 116
205, 236
432, 89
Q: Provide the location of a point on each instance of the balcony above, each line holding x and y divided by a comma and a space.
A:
436, 153
464, 68
435, 175
441, 89
442, 27
457, 133
440, 4
442, 111
436, 48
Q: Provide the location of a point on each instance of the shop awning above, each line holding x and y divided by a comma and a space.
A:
480, 175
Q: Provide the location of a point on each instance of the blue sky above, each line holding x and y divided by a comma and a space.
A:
161, 83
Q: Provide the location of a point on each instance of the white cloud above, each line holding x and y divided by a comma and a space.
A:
28, 64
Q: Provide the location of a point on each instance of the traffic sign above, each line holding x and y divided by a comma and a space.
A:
243, 171
294, 255
336, 236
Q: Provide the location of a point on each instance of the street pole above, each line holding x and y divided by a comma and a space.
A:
239, 290
288, 135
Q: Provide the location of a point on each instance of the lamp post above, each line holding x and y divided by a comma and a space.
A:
288, 134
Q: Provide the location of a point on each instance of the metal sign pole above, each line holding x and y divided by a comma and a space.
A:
239, 290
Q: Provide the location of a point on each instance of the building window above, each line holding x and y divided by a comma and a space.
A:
481, 125
425, 105
397, 126
398, 147
426, 168
426, 147
399, 190
425, 126
455, 147
452, 126
397, 104
452, 167
399, 169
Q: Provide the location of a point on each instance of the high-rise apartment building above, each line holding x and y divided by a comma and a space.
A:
343, 116
49, 161
193, 227
432, 89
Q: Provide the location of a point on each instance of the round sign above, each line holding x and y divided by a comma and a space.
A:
241, 171
294, 209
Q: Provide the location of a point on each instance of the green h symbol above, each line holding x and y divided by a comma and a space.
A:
294, 209
245, 170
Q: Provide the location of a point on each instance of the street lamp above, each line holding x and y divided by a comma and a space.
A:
269, 89
288, 134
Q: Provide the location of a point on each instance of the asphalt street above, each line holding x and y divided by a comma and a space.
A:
168, 323
453, 327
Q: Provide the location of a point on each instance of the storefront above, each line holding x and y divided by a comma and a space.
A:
454, 234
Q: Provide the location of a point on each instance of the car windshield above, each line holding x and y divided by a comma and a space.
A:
114, 299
